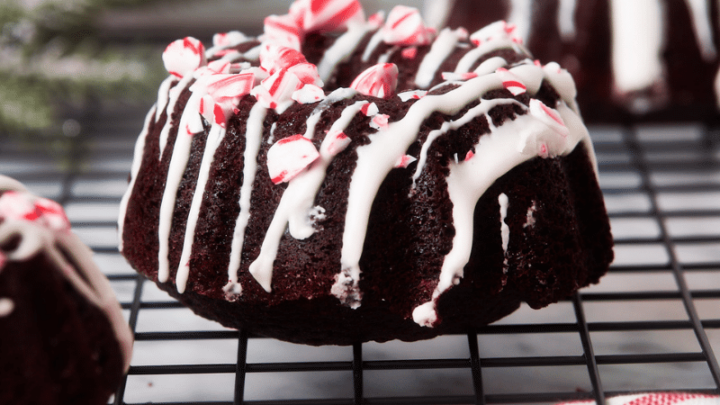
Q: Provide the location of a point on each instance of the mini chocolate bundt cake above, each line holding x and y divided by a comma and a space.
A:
63, 339
389, 182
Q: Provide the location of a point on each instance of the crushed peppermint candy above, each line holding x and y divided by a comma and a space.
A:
290, 156
405, 27
339, 141
469, 155
548, 116
380, 121
511, 81
228, 39
277, 57
404, 160
184, 56
19, 205
282, 30
308, 94
495, 31
326, 15
370, 109
409, 53
378, 81
377, 20
277, 90
412, 95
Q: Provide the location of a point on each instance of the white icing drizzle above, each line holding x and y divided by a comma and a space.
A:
311, 123
134, 170
343, 47
566, 19
521, 16
436, 12
253, 138
174, 94
375, 40
388, 54
375, 161
296, 204
85, 277
271, 138
638, 30
702, 25
163, 96
504, 228
214, 138
441, 48
495, 155
190, 124
478, 110
469, 59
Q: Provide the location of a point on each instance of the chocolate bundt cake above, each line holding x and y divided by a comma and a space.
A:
63, 339
641, 58
389, 182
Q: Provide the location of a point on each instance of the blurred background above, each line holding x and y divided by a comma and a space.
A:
78, 76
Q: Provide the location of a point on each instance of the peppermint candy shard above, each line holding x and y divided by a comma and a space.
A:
282, 30
380, 121
548, 116
22, 206
412, 95
290, 156
308, 94
326, 15
377, 20
227, 39
277, 57
370, 109
495, 31
405, 27
511, 81
404, 161
469, 155
377, 81
277, 90
52, 214
409, 53
184, 56
307, 73
339, 141
230, 88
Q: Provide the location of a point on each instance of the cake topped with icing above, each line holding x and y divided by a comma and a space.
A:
339, 162
60, 319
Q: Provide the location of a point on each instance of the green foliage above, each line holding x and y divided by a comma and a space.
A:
50, 58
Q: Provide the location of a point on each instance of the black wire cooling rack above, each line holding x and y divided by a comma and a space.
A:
650, 325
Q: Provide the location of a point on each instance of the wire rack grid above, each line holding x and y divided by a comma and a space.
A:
653, 323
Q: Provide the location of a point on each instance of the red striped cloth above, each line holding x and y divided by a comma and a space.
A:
659, 398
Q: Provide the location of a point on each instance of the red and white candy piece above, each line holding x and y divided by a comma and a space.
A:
337, 141
379, 121
370, 109
277, 90
495, 31
412, 95
511, 81
405, 27
227, 39
377, 20
409, 53
404, 160
230, 88
277, 57
290, 156
308, 94
548, 116
458, 77
282, 30
17, 205
184, 56
326, 15
378, 81
307, 73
